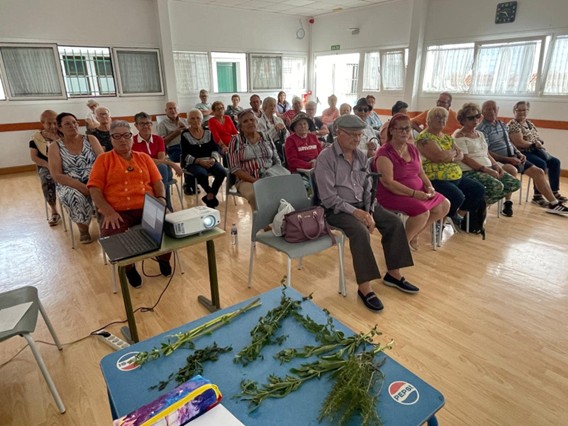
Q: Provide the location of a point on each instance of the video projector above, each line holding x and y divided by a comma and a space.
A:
191, 221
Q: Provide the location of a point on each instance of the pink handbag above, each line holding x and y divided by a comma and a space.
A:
305, 225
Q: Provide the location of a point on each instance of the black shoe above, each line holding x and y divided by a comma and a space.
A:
371, 301
165, 267
508, 208
211, 203
401, 284
189, 190
560, 197
134, 278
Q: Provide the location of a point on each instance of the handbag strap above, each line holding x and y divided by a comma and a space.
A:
320, 223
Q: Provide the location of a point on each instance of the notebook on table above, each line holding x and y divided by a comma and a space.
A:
139, 239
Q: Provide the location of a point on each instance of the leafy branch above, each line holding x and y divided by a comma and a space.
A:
184, 339
279, 387
265, 330
194, 365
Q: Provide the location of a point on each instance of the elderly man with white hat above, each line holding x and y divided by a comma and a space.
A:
344, 188
91, 117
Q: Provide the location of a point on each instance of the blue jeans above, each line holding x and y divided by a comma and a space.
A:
465, 193
549, 164
166, 173
201, 174
174, 152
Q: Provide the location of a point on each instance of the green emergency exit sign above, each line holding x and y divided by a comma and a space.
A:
335, 47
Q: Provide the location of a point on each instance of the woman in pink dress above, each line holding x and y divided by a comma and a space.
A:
403, 185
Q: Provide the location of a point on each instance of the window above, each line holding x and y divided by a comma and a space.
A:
192, 72
352, 78
265, 72
139, 71
87, 71
496, 68
229, 72
557, 75
448, 68
294, 70
2, 95
385, 70
31, 72
506, 68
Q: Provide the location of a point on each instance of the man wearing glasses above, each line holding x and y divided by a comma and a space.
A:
369, 140
345, 191
154, 146
445, 101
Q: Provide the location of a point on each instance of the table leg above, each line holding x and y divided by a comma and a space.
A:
214, 304
128, 304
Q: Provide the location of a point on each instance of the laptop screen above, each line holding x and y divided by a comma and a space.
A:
153, 218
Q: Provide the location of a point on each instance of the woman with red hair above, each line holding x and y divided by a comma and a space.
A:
403, 185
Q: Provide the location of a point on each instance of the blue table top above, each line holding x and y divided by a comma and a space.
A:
404, 398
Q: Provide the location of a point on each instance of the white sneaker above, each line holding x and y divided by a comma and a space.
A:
558, 208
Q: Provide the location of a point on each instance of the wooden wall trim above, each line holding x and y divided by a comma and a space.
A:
17, 169
34, 125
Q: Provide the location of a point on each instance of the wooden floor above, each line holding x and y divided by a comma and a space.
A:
488, 329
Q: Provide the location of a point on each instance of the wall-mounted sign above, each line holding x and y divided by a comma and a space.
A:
335, 47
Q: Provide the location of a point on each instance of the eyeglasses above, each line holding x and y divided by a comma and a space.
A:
402, 129
118, 136
352, 135
363, 109
473, 117
521, 110
144, 123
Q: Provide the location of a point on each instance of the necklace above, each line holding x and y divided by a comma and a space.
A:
400, 151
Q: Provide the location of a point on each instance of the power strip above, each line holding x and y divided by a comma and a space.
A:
110, 339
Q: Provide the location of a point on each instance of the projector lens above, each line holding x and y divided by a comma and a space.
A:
209, 222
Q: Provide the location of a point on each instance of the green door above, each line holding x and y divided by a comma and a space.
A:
227, 77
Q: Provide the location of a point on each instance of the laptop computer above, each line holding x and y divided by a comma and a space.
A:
139, 239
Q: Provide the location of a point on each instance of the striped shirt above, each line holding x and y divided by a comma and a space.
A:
252, 158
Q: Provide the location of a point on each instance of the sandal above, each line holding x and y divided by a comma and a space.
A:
54, 219
85, 238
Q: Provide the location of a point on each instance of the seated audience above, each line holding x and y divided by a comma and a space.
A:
221, 126
403, 185
513, 160
373, 118
234, 109
102, 132
399, 106
369, 140
524, 135
70, 161
345, 192
440, 158
345, 109
255, 103
119, 181
197, 155
283, 105
329, 115
154, 146
291, 113
477, 163
419, 122
39, 146
251, 153
91, 122
302, 147
316, 126
204, 106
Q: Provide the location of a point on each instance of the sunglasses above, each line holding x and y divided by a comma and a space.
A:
473, 117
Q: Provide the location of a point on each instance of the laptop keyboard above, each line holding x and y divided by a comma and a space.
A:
135, 242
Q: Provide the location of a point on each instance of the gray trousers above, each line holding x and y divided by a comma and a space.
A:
394, 242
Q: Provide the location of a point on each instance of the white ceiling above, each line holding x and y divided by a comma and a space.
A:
290, 7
